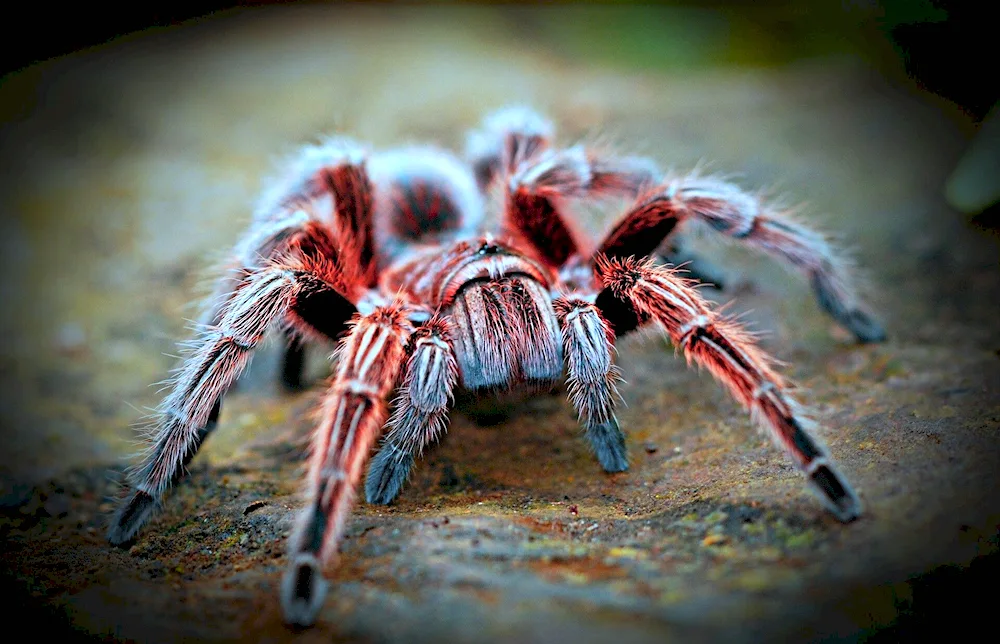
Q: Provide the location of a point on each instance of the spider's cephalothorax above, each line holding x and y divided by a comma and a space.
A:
386, 253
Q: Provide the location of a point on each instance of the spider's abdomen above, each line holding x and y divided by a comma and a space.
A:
506, 334
424, 196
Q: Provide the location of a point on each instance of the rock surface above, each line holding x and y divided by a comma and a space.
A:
131, 167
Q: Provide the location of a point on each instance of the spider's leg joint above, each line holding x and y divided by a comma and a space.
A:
688, 332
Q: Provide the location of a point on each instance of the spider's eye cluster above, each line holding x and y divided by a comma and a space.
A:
489, 248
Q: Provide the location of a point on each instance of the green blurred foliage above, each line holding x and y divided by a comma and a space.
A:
682, 35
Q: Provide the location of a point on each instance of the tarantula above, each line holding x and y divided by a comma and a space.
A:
385, 253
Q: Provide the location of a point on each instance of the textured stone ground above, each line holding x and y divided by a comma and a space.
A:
128, 169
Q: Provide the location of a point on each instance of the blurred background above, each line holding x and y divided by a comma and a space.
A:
943, 45
134, 141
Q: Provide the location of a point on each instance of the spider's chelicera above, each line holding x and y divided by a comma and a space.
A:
386, 253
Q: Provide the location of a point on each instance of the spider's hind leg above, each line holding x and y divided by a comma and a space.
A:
507, 137
293, 365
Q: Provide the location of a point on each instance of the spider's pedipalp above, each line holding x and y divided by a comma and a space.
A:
353, 412
730, 355
421, 410
726, 209
588, 344
505, 333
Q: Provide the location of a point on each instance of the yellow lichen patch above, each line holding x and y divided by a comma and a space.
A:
627, 553
578, 571
762, 578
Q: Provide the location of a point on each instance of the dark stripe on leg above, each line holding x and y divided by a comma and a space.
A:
863, 326
837, 492
293, 364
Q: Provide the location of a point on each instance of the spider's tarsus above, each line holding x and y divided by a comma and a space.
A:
386, 476
608, 443
130, 517
836, 493
302, 591
864, 327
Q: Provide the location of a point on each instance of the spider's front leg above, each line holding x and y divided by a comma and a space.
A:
353, 413
659, 295
421, 410
189, 412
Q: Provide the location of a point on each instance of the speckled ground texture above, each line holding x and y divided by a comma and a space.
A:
136, 166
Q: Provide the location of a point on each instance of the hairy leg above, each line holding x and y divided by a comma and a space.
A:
731, 356
325, 188
535, 203
191, 410
724, 208
353, 413
507, 138
513, 146
588, 343
421, 412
